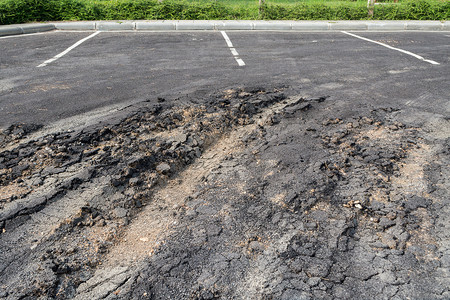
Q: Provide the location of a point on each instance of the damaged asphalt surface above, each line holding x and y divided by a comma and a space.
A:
256, 195
244, 192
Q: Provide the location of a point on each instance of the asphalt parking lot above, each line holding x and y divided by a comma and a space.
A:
116, 69
225, 165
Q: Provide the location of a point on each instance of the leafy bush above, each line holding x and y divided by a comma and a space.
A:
407, 10
315, 11
21, 11
414, 10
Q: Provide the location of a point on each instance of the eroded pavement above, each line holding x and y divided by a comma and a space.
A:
257, 194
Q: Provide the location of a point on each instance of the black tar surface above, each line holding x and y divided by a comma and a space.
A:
124, 68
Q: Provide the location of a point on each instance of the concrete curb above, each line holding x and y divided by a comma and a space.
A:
25, 28
257, 25
75, 25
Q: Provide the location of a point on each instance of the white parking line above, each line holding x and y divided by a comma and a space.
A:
232, 49
25, 35
393, 48
234, 52
68, 50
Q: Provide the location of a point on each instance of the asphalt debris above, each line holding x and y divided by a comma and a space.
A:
253, 195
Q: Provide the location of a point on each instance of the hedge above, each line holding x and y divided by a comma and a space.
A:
22, 11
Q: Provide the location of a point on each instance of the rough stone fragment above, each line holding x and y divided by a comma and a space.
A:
163, 168
120, 212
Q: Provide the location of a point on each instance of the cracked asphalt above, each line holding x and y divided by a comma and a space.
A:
153, 166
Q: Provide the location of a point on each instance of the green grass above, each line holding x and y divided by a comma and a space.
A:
20, 11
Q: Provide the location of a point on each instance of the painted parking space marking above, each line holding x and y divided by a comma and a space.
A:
25, 35
393, 48
67, 50
232, 49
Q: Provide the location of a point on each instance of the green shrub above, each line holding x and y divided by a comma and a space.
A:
414, 10
21, 11
407, 10
315, 11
